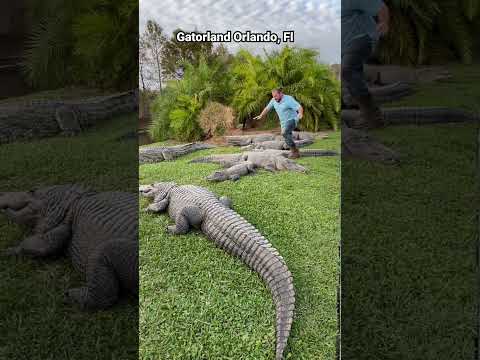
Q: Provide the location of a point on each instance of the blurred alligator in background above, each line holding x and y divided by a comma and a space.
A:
271, 141
417, 115
33, 119
155, 154
97, 230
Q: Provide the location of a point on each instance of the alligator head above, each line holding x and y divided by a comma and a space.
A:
19, 207
157, 191
44, 208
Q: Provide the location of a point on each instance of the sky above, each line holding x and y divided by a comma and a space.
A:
316, 22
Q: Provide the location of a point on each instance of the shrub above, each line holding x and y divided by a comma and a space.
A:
175, 112
216, 118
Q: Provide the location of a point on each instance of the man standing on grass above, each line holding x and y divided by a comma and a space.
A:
360, 33
290, 112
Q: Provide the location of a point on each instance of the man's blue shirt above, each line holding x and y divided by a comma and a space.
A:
358, 21
286, 109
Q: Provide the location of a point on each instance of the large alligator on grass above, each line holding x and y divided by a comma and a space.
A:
193, 206
155, 154
98, 230
45, 118
241, 164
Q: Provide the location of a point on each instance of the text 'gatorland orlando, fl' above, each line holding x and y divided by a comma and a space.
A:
235, 36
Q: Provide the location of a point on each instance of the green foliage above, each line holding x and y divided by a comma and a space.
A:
245, 82
106, 42
183, 117
46, 60
92, 42
298, 73
429, 31
175, 112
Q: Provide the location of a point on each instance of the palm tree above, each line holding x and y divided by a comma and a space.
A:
429, 31
298, 73
91, 42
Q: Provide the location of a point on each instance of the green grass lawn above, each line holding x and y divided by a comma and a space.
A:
35, 323
197, 302
409, 237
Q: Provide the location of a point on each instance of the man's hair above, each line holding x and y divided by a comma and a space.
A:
279, 89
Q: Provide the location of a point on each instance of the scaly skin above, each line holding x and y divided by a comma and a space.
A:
193, 206
99, 232
45, 118
161, 153
238, 165
244, 140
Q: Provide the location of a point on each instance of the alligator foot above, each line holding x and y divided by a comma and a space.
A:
172, 230
76, 296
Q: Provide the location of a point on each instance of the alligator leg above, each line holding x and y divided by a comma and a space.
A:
159, 206
112, 266
270, 167
287, 164
188, 216
24, 216
15, 200
40, 245
226, 201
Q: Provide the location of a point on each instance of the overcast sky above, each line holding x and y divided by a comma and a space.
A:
316, 22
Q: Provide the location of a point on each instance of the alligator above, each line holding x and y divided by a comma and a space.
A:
389, 74
238, 165
417, 115
245, 140
194, 206
97, 230
45, 118
160, 153
276, 144
381, 94
391, 92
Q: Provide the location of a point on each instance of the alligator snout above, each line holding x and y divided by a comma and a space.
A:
14, 200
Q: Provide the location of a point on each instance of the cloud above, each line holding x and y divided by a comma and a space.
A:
316, 22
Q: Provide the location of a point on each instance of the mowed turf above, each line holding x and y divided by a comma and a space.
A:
35, 322
198, 302
409, 237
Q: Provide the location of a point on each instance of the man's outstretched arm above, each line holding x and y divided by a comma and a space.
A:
262, 114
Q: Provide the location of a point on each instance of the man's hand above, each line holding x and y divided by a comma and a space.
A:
257, 117
383, 20
300, 113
